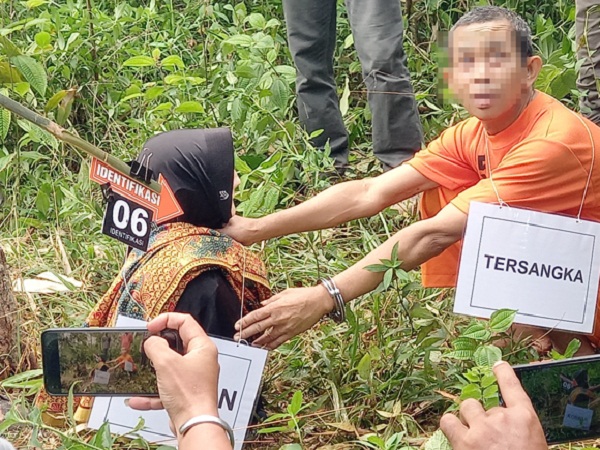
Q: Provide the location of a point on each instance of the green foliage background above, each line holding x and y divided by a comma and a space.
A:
116, 72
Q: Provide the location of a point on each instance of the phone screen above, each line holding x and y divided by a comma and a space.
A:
97, 362
566, 397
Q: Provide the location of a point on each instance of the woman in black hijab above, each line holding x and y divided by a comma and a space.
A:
189, 266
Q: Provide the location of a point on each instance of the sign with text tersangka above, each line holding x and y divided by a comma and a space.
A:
239, 385
545, 266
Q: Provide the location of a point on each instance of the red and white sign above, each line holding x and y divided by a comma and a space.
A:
163, 205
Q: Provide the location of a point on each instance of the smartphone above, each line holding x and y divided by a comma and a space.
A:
566, 397
100, 361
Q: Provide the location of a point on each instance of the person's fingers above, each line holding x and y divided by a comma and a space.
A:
453, 428
255, 316
187, 326
471, 411
510, 386
259, 324
156, 348
144, 403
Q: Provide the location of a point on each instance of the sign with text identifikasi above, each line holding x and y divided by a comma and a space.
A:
163, 205
239, 385
545, 266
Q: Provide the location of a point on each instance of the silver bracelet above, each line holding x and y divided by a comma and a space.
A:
207, 419
338, 314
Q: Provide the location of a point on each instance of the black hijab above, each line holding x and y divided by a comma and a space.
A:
198, 164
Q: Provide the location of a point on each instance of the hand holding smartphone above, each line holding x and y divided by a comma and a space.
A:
566, 397
101, 361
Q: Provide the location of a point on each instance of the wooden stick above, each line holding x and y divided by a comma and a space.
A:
75, 141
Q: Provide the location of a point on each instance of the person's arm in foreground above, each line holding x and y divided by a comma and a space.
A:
338, 204
187, 384
295, 310
515, 427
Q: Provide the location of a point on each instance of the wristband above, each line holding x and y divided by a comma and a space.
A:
207, 419
338, 314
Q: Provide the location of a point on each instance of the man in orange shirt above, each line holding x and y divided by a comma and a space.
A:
539, 153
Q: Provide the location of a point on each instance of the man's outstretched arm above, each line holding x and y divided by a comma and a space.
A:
295, 310
334, 206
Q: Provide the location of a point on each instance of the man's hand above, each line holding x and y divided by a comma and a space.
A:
515, 427
285, 315
242, 229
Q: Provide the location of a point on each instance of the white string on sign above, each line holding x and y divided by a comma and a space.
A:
240, 340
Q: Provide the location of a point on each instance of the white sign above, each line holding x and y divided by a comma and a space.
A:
544, 266
578, 418
239, 383
101, 376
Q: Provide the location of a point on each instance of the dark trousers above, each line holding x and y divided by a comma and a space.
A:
587, 27
377, 30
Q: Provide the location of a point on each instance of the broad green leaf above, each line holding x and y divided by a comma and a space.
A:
296, 405
279, 94
256, 20
8, 48
42, 202
32, 71
501, 320
173, 61
487, 355
572, 348
470, 391
4, 123
245, 71
240, 40
139, 61
477, 331
190, 107
43, 39
437, 441
9, 74
463, 355
35, 3
103, 438
345, 100
376, 268
464, 343
488, 380
55, 100
291, 447
364, 367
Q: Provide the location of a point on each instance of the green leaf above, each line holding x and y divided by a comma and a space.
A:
437, 441
376, 268
139, 61
9, 74
291, 447
296, 405
190, 107
103, 438
487, 355
32, 71
35, 3
572, 348
4, 123
279, 94
471, 391
463, 355
245, 71
364, 367
173, 61
477, 331
464, 343
42, 202
256, 20
240, 40
55, 100
345, 100
501, 320
8, 48
43, 39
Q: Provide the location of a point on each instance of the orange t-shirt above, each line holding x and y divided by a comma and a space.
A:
541, 162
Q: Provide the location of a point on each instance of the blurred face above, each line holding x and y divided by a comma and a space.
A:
488, 75
236, 183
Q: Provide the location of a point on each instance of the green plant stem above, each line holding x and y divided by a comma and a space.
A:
63, 135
